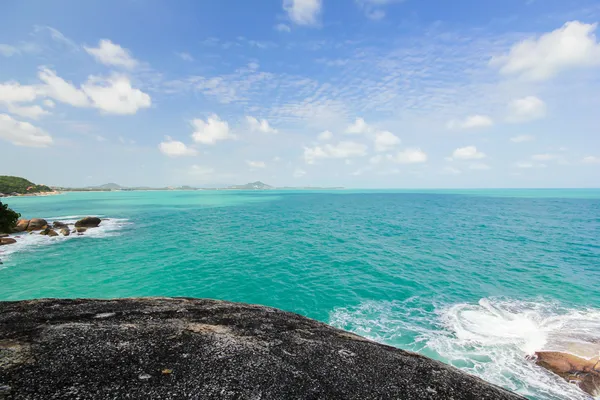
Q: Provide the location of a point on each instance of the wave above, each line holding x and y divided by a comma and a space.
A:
29, 242
490, 339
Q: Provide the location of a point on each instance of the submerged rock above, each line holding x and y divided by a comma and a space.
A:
7, 240
159, 348
583, 372
37, 224
22, 225
88, 222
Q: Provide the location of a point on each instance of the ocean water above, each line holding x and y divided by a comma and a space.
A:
478, 279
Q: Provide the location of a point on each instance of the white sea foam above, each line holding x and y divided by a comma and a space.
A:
491, 339
29, 242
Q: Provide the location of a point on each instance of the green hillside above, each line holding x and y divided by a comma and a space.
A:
14, 184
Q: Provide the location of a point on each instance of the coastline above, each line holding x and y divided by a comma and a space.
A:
41, 194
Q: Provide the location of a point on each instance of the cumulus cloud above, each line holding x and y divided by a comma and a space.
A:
303, 12
522, 138
61, 90
467, 153
412, 155
109, 53
591, 160
13, 92
359, 126
23, 133
340, 150
174, 148
572, 46
385, 141
325, 135
115, 95
256, 164
32, 112
471, 122
526, 109
210, 131
260, 125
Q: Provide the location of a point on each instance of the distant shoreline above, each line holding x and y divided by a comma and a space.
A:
40, 194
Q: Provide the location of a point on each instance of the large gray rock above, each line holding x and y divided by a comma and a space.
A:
37, 224
22, 225
162, 348
88, 222
7, 240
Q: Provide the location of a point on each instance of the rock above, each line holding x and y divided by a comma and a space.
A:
52, 232
22, 225
65, 232
585, 373
80, 229
6, 240
58, 224
3, 235
88, 222
164, 348
37, 224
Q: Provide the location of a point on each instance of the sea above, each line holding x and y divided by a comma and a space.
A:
478, 279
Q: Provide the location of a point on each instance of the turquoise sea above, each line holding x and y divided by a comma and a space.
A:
475, 278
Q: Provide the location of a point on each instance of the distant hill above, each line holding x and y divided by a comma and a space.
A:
107, 186
258, 185
15, 184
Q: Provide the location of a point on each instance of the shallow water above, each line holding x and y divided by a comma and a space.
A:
478, 279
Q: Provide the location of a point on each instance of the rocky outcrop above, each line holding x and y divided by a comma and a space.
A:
7, 240
59, 225
88, 222
65, 231
585, 373
37, 224
22, 225
80, 230
163, 348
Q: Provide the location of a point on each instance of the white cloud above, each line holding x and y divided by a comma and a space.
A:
174, 148
522, 138
112, 54
410, 156
115, 95
13, 92
303, 12
467, 153
591, 160
479, 166
341, 150
185, 56
471, 122
385, 141
359, 126
571, 46
260, 125
526, 165
325, 135
526, 109
373, 8
282, 28
61, 90
545, 157
199, 170
23, 133
256, 164
451, 170
49, 103
376, 159
210, 131
32, 112
8, 50
299, 173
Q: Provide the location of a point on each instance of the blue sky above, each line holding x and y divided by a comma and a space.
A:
358, 93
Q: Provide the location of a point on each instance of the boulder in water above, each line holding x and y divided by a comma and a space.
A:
37, 224
65, 231
88, 222
58, 224
80, 229
182, 348
7, 240
22, 225
585, 373
52, 232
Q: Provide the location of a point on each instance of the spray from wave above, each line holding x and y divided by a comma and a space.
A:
491, 339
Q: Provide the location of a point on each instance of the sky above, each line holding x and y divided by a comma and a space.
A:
354, 93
